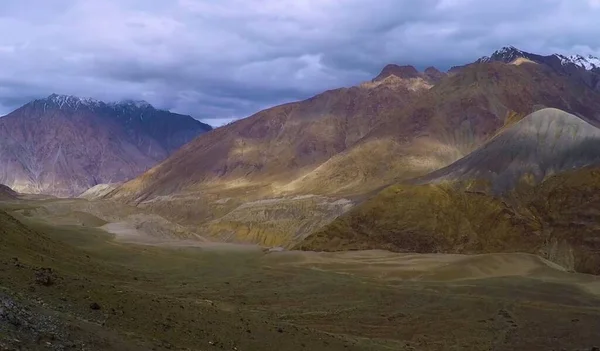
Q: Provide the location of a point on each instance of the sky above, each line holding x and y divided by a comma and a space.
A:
223, 60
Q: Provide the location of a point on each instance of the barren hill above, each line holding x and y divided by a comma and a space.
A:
546, 142
517, 193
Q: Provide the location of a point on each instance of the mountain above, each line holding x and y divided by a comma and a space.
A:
342, 140
277, 145
63, 145
447, 122
585, 69
531, 188
510, 54
275, 176
548, 141
7, 193
430, 75
233, 169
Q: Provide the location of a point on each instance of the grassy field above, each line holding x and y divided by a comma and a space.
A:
103, 294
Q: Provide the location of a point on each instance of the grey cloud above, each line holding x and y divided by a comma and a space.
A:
227, 59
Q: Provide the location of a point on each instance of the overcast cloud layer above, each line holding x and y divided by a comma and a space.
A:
226, 59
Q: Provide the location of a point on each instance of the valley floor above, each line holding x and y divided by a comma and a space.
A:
67, 283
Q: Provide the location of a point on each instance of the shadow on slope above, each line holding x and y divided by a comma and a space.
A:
492, 200
544, 143
342, 144
7, 193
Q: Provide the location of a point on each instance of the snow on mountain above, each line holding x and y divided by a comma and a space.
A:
75, 103
506, 54
69, 101
134, 103
590, 62
510, 53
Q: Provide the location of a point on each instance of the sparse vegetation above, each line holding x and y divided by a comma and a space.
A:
556, 219
106, 295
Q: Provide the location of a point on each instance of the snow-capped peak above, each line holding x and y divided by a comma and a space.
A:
71, 101
506, 54
589, 62
74, 102
510, 53
135, 103
507, 50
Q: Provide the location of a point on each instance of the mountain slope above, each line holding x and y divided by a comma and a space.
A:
449, 121
546, 142
279, 144
354, 140
63, 145
7, 193
458, 209
344, 145
235, 183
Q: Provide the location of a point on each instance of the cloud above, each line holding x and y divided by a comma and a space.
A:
224, 60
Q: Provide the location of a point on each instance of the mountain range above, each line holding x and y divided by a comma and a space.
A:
498, 155
62, 145
279, 175
586, 69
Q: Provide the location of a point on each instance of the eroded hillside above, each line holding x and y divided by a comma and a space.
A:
517, 193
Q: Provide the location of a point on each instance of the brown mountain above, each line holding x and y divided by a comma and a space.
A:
449, 121
406, 72
231, 170
63, 145
270, 178
278, 145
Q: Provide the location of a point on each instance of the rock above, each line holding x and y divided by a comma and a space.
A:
44, 276
95, 306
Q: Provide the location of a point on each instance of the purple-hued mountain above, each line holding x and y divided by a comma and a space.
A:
63, 145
